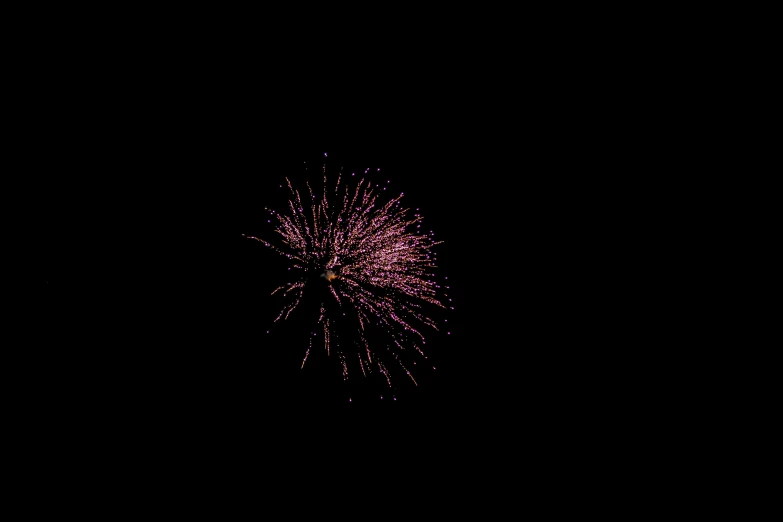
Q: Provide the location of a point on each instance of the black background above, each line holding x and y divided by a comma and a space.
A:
147, 160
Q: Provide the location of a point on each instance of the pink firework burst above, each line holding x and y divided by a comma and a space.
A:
371, 271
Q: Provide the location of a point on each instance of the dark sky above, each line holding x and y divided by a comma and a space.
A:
150, 303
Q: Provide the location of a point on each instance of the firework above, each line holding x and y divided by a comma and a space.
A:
371, 269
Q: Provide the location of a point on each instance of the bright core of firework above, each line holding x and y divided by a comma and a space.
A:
378, 266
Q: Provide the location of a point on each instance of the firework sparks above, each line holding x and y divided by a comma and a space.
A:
370, 265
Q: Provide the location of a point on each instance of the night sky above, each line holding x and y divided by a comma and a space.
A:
151, 308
